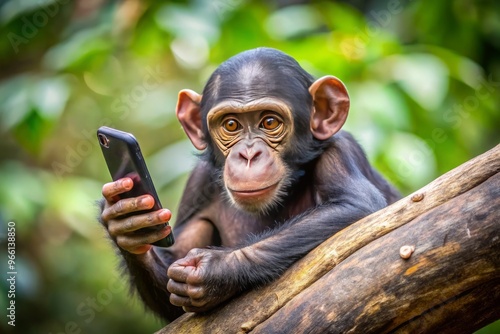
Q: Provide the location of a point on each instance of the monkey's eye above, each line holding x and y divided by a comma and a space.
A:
231, 125
270, 123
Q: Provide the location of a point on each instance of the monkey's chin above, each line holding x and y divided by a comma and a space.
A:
255, 201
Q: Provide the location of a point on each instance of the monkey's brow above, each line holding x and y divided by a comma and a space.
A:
256, 105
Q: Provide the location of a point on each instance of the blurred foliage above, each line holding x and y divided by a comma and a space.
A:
424, 78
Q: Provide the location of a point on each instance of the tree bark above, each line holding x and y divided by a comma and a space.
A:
357, 281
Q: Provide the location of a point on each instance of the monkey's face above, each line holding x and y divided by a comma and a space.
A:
252, 137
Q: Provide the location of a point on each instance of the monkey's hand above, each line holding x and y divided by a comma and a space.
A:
122, 226
203, 279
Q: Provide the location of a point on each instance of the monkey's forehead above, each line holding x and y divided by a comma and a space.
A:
256, 80
235, 107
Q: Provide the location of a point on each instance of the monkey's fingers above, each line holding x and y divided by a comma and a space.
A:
177, 288
126, 206
111, 190
180, 300
139, 244
181, 269
137, 222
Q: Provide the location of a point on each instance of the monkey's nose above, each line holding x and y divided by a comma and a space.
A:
250, 154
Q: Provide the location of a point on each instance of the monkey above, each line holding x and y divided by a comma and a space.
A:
276, 176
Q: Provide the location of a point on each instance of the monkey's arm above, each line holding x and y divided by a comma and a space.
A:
270, 254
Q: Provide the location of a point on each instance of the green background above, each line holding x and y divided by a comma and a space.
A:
423, 76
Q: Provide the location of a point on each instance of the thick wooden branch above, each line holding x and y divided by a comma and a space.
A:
356, 281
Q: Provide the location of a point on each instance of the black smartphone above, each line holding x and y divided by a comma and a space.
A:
124, 159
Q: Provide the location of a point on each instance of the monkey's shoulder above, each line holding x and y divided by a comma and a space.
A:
342, 158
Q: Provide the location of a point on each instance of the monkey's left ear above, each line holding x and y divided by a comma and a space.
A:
188, 113
331, 106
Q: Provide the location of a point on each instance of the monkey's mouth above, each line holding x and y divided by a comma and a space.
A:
253, 194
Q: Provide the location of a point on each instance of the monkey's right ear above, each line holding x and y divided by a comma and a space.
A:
188, 113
